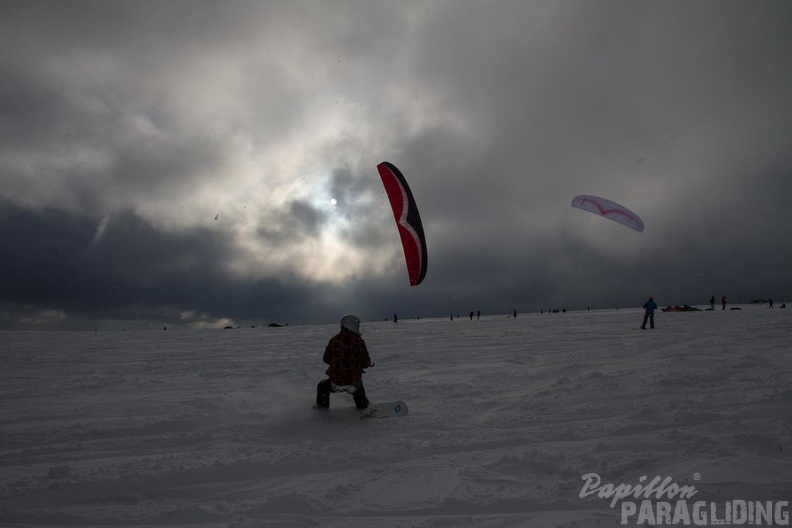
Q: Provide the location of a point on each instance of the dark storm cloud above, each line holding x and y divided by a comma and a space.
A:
133, 271
54, 260
307, 218
177, 161
300, 220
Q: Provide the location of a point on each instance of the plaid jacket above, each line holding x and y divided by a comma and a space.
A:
347, 355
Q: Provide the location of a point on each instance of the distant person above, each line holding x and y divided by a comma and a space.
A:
723, 302
478, 315
712, 303
771, 302
395, 318
514, 314
347, 355
649, 309
471, 316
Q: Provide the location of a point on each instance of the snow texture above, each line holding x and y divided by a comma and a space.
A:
214, 428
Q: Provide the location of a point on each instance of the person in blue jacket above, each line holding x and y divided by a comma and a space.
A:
649, 306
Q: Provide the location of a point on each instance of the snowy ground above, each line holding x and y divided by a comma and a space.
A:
213, 428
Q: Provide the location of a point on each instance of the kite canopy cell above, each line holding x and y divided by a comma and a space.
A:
407, 219
608, 209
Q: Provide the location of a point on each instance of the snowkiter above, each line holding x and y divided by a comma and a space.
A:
347, 355
649, 309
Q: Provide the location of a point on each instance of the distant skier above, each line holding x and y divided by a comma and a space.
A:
712, 303
723, 302
649, 309
395, 318
347, 355
771, 302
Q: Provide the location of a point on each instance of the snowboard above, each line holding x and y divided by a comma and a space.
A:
390, 409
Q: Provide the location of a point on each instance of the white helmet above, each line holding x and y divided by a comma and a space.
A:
351, 322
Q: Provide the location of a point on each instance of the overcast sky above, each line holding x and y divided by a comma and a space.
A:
210, 163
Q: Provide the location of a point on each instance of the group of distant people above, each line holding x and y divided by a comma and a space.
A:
650, 306
471, 315
476, 314
723, 302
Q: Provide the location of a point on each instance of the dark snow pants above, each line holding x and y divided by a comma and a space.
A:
324, 389
649, 316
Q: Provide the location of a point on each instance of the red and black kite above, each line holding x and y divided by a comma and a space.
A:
407, 219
